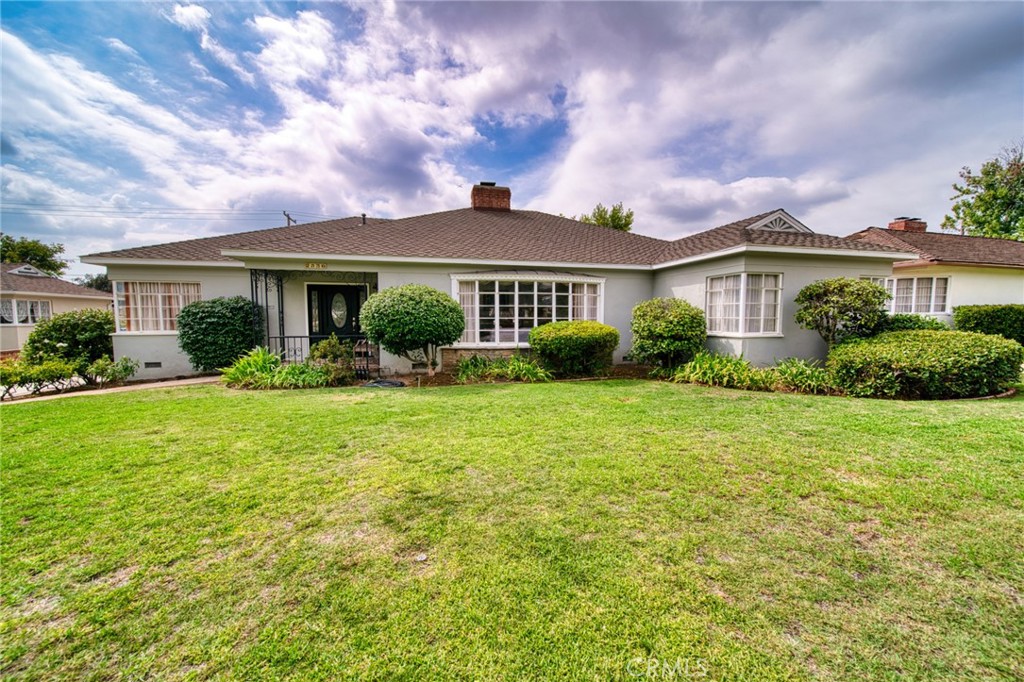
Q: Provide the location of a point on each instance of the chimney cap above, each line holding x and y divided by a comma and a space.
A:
485, 183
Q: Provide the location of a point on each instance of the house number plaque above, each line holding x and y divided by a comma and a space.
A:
316, 266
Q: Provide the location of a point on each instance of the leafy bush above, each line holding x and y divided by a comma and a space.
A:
801, 376
726, 371
1005, 320
841, 308
667, 332
51, 373
79, 337
108, 372
335, 359
515, 368
252, 370
216, 332
412, 318
926, 364
578, 348
905, 322
300, 375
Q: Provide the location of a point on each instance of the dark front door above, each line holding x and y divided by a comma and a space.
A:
334, 309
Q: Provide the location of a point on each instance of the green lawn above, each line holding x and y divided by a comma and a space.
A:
590, 531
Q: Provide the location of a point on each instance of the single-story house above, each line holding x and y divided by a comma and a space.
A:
511, 270
28, 296
948, 270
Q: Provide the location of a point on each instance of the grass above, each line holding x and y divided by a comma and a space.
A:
585, 531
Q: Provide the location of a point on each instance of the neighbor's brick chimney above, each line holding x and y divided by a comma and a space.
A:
487, 197
908, 224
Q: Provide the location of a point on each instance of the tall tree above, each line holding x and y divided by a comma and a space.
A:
616, 217
99, 282
991, 203
44, 257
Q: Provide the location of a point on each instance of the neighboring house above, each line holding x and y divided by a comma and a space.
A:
510, 270
948, 270
28, 296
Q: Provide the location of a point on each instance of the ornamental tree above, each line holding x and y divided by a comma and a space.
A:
840, 308
411, 319
991, 202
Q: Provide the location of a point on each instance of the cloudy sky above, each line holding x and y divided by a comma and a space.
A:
133, 123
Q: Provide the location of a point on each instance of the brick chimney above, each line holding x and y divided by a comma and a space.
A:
488, 197
906, 224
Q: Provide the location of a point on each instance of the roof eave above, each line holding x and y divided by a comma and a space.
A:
349, 258
891, 256
107, 260
922, 263
57, 294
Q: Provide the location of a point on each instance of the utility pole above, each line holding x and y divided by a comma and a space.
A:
291, 221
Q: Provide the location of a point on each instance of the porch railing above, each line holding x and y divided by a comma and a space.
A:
296, 349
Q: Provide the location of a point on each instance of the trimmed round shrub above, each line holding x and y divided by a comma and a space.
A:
926, 364
411, 319
216, 332
80, 337
667, 332
1004, 320
841, 308
574, 348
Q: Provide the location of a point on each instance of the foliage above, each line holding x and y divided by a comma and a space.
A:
412, 318
905, 322
712, 369
616, 217
335, 359
667, 332
252, 369
580, 348
800, 376
79, 336
261, 368
841, 308
49, 373
106, 371
991, 203
515, 368
43, 257
1004, 320
926, 364
216, 332
99, 282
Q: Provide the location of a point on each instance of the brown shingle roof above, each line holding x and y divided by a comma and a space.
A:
739, 234
469, 234
36, 284
948, 248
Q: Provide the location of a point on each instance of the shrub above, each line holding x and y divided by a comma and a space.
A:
801, 376
667, 332
54, 373
1004, 320
726, 371
926, 364
574, 348
252, 370
107, 371
412, 318
79, 337
216, 332
905, 322
516, 368
300, 375
336, 359
841, 308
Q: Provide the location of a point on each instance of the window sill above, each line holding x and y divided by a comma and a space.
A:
123, 333
736, 335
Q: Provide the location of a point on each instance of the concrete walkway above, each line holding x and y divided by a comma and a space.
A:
118, 389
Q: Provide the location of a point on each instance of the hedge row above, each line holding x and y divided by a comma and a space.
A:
1004, 320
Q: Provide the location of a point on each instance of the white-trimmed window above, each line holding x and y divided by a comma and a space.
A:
152, 306
744, 303
501, 309
23, 311
915, 294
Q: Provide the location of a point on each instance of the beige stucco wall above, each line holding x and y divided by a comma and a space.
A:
162, 347
689, 282
14, 336
972, 285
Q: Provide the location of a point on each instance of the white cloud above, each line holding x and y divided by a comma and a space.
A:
120, 46
190, 17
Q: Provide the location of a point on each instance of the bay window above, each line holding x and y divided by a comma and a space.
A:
501, 309
744, 303
152, 306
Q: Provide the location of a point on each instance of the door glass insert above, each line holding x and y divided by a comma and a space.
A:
339, 310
